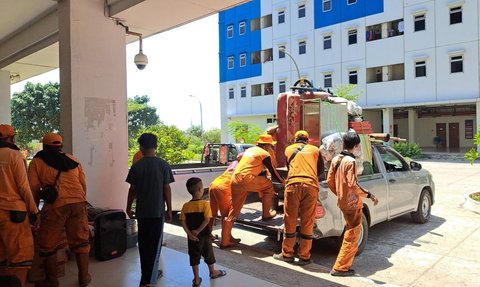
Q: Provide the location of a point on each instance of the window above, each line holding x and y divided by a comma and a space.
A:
243, 60
419, 23
392, 160
420, 69
301, 11
229, 31
353, 77
231, 62
327, 5
243, 92
455, 15
241, 28
352, 37
350, 2
231, 94
327, 42
281, 17
302, 47
282, 87
281, 53
256, 57
327, 80
456, 64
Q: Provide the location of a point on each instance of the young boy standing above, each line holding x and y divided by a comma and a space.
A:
195, 217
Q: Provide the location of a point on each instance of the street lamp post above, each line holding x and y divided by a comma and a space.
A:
201, 113
293, 60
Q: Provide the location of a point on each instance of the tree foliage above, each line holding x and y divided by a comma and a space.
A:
472, 154
140, 115
347, 92
36, 111
243, 131
410, 150
213, 136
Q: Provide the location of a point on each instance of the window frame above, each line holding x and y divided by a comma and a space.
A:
281, 52
454, 59
231, 93
302, 44
302, 11
420, 65
418, 19
329, 41
323, 5
243, 56
243, 91
455, 10
231, 59
351, 2
229, 31
242, 25
281, 84
281, 15
353, 73
327, 77
351, 33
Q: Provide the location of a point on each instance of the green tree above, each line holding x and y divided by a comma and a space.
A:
36, 111
243, 131
213, 136
347, 92
472, 154
194, 131
172, 143
140, 115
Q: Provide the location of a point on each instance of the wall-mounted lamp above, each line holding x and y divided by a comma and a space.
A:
140, 59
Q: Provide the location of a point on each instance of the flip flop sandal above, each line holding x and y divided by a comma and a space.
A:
221, 273
199, 282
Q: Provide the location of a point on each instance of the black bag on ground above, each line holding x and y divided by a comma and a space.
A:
110, 234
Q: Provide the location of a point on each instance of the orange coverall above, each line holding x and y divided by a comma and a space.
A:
301, 194
137, 156
342, 180
69, 211
16, 240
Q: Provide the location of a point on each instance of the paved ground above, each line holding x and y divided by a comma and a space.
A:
445, 251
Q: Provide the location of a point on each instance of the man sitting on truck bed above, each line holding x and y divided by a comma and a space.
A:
249, 176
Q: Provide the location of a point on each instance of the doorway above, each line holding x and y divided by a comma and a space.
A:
453, 135
442, 135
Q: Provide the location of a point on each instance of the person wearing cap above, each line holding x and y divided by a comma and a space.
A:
16, 201
250, 176
343, 182
220, 194
305, 165
68, 212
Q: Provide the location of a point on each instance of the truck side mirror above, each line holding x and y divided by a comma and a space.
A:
415, 165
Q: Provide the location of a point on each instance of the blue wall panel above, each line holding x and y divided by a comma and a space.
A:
342, 12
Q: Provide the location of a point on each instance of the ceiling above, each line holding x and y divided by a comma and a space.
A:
25, 57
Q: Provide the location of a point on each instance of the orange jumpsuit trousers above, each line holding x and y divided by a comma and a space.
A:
300, 200
353, 219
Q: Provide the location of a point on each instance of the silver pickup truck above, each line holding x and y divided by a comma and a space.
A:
400, 187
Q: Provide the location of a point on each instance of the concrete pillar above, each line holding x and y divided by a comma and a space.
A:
93, 98
412, 118
384, 30
5, 105
385, 74
478, 121
388, 121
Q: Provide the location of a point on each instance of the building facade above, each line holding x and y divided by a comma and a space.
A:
415, 61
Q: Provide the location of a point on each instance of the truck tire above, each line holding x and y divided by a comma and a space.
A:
424, 208
362, 241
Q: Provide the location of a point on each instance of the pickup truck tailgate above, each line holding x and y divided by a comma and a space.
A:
251, 216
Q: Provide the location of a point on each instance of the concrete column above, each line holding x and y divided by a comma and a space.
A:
388, 121
412, 117
384, 30
5, 103
93, 98
385, 73
478, 122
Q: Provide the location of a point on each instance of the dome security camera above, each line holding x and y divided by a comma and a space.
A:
141, 60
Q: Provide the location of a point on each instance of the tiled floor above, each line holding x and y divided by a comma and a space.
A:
125, 272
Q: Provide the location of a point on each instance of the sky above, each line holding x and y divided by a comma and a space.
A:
181, 62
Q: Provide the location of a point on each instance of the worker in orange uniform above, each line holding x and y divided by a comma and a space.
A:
342, 181
68, 211
273, 131
16, 201
304, 164
137, 156
249, 176
220, 194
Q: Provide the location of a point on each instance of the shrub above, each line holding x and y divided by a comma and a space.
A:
472, 154
411, 150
